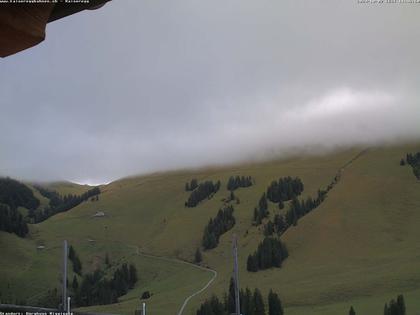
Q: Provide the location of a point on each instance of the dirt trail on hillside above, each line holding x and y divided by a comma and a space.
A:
174, 260
337, 177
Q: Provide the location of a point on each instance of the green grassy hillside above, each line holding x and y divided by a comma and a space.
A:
66, 188
360, 247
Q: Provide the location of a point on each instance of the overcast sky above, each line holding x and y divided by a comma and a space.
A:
141, 86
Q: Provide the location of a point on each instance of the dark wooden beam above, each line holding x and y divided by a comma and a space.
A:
22, 26
64, 9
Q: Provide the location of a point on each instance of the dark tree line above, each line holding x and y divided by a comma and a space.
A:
261, 211
60, 203
203, 191
97, 289
12, 221
284, 189
271, 252
212, 306
238, 182
297, 209
251, 303
74, 258
15, 194
191, 185
222, 223
413, 159
395, 307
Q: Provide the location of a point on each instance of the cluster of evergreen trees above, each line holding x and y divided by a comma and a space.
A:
191, 185
239, 181
15, 194
271, 252
296, 210
251, 303
213, 306
414, 161
261, 211
74, 258
299, 208
60, 204
395, 307
97, 289
284, 189
201, 192
222, 223
12, 221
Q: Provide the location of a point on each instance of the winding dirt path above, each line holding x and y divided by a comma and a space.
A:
174, 260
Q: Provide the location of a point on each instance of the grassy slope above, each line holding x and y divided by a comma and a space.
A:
359, 247
66, 188
28, 272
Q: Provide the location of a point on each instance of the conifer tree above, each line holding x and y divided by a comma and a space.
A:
231, 304
107, 261
352, 312
263, 202
71, 252
77, 265
395, 307
198, 257
132, 278
401, 305
75, 283
258, 303
252, 263
274, 304
249, 305
269, 229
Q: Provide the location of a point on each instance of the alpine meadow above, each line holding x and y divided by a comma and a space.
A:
237, 157
357, 248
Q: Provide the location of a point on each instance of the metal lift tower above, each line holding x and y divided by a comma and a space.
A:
236, 275
65, 255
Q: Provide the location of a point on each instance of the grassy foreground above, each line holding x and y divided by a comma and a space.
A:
360, 247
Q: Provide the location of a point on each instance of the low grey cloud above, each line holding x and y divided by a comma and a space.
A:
143, 86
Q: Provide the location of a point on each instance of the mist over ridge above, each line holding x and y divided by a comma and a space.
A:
193, 84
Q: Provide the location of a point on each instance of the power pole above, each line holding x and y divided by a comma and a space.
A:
65, 255
236, 275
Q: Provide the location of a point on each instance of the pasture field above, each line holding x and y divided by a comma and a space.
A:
360, 247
